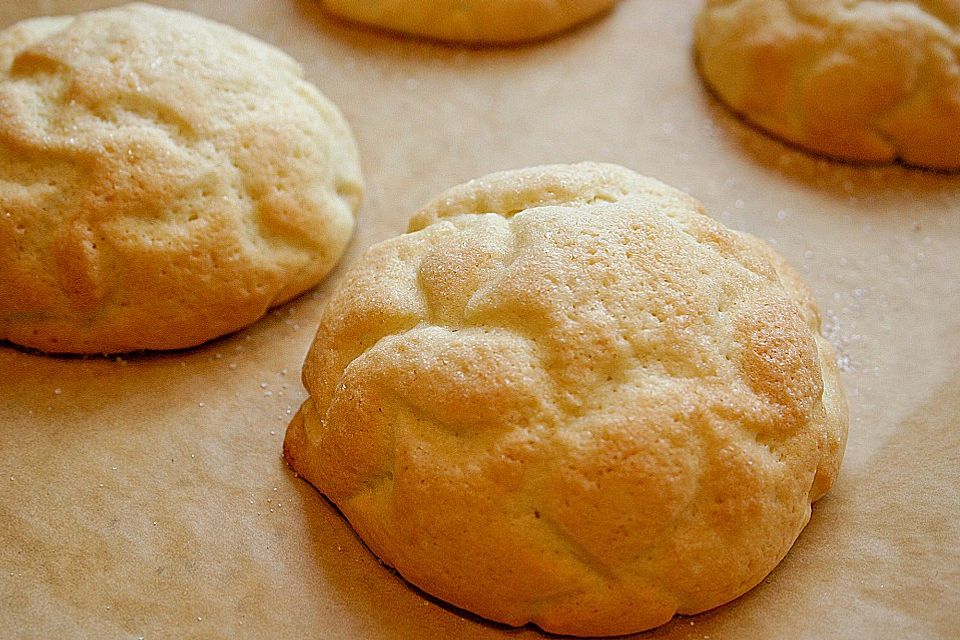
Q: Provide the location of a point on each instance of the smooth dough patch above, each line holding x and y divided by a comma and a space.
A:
471, 21
862, 80
569, 397
164, 180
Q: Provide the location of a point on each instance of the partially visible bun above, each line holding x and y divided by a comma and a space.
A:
858, 80
569, 397
471, 21
164, 180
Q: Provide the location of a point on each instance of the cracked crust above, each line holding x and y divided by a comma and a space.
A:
164, 180
471, 21
860, 80
569, 397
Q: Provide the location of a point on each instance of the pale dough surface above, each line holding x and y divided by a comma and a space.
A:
569, 397
863, 80
164, 180
471, 21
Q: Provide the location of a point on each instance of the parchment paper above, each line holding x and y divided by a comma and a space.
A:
146, 496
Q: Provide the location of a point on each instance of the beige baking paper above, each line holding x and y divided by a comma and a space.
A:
146, 496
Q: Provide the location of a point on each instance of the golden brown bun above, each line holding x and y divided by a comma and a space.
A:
568, 397
859, 80
164, 180
471, 21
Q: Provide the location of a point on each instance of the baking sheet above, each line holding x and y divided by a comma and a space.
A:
146, 497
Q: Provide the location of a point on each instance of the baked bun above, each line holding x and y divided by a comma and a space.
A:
164, 180
471, 21
858, 80
569, 397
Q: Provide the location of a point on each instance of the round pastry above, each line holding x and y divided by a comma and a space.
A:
569, 397
471, 21
164, 180
859, 80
